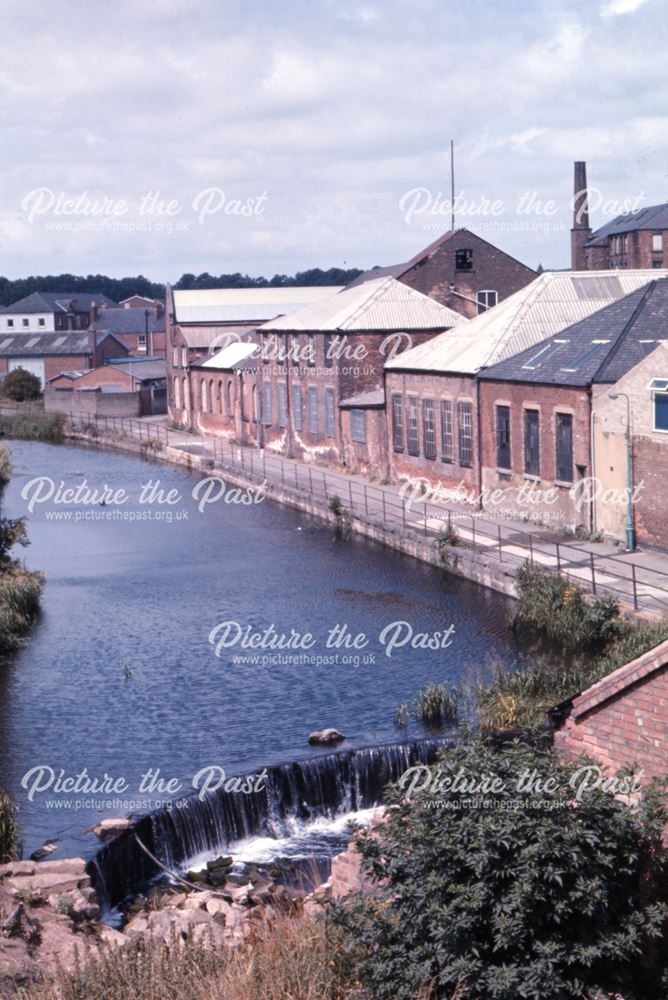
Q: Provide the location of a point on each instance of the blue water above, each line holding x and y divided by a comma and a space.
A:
119, 675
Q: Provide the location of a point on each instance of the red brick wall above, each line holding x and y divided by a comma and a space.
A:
492, 269
624, 718
58, 363
548, 400
436, 387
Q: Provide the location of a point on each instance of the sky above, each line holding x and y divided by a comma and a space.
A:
169, 136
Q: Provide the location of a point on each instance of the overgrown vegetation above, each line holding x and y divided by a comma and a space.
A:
344, 527
34, 426
21, 386
434, 705
20, 589
285, 960
591, 640
522, 892
5, 466
8, 831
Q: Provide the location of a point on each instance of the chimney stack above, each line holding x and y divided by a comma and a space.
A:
581, 230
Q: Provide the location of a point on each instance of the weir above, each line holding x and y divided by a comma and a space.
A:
325, 786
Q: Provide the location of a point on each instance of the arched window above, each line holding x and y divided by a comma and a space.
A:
211, 396
229, 398
186, 393
177, 393
203, 400
220, 396
254, 398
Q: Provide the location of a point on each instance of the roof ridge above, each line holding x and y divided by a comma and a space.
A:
647, 292
523, 306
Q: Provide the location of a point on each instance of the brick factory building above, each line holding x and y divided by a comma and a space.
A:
313, 362
52, 353
461, 271
636, 239
433, 390
537, 410
200, 322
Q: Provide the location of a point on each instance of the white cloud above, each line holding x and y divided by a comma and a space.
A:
615, 7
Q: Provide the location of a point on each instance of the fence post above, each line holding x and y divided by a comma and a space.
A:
635, 589
593, 574
558, 558
472, 532
282, 472
382, 493
366, 502
531, 547
296, 477
350, 495
264, 464
403, 512
310, 481
425, 519
498, 528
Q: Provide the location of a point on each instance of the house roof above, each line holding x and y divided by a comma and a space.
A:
650, 217
549, 304
397, 270
381, 304
250, 305
55, 302
71, 375
230, 356
601, 348
121, 320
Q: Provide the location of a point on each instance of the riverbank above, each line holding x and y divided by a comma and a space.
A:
466, 542
20, 589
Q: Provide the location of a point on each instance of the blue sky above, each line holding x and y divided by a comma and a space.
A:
281, 136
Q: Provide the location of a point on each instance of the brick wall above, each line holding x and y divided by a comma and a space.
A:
541, 499
624, 718
649, 450
87, 404
454, 388
492, 270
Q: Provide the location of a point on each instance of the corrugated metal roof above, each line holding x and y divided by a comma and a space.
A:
380, 304
230, 356
46, 344
555, 300
230, 305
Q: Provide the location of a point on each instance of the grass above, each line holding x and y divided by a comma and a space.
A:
286, 960
20, 592
434, 705
33, 426
5, 466
591, 639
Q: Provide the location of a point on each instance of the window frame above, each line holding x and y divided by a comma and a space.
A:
447, 432
429, 429
567, 422
531, 411
412, 427
398, 427
465, 433
358, 436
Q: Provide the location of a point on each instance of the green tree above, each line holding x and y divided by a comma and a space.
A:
21, 385
535, 894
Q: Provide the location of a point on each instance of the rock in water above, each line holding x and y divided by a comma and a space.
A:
324, 737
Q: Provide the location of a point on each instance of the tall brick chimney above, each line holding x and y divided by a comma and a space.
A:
581, 230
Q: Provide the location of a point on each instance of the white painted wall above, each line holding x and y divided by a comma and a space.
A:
37, 323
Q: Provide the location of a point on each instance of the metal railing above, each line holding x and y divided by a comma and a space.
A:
449, 526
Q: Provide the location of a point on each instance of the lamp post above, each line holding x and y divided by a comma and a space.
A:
630, 527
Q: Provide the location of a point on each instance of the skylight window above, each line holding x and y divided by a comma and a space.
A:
584, 356
546, 352
659, 384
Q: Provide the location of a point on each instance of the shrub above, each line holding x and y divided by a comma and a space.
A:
5, 466
558, 607
534, 895
8, 831
21, 385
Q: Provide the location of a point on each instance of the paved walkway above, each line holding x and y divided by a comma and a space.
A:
640, 578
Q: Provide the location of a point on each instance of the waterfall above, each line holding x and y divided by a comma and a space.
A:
325, 786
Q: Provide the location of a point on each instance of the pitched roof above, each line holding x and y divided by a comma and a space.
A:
249, 305
381, 304
601, 348
23, 345
616, 683
651, 217
230, 356
549, 304
370, 400
397, 270
121, 320
58, 302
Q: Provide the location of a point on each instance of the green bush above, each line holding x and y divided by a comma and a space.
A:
5, 466
556, 606
436, 704
21, 385
515, 894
